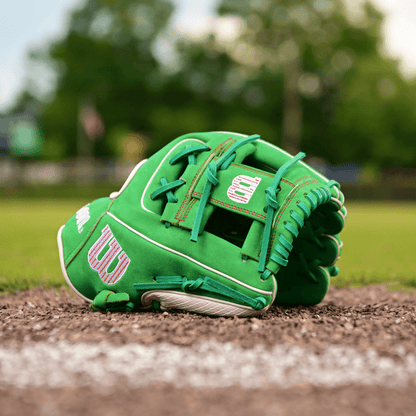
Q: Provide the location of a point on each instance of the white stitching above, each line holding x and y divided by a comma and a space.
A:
264, 292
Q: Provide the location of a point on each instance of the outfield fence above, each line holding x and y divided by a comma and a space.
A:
81, 171
49, 178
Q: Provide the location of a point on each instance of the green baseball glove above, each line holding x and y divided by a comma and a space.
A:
216, 223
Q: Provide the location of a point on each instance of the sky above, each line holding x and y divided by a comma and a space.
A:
25, 24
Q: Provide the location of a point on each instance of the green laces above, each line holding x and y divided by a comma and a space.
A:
189, 151
272, 207
212, 180
166, 187
205, 284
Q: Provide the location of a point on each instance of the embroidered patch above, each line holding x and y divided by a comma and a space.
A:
114, 250
242, 188
82, 216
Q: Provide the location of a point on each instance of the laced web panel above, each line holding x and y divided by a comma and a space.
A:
188, 154
207, 208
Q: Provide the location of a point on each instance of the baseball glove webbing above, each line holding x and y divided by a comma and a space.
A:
258, 219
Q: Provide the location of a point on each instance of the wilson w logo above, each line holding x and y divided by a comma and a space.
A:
242, 188
114, 250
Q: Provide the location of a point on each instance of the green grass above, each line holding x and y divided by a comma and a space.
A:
28, 247
378, 244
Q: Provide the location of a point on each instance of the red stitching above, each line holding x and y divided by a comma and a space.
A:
254, 213
188, 209
302, 178
249, 168
261, 172
202, 167
225, 148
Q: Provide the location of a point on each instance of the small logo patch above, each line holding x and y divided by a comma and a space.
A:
242, 188
82, 216
114, 250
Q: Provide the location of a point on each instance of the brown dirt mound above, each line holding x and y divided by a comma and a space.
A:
369, 317
363, 318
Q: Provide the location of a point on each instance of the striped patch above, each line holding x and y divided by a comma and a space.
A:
114, 251
242, 188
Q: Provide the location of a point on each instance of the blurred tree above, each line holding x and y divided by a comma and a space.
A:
107, 60
294, 71
311, 44
305, 70
374, 119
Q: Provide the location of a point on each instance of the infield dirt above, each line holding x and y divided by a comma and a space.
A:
365, 319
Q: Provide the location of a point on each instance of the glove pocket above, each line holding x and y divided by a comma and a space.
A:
301, 283
323, 247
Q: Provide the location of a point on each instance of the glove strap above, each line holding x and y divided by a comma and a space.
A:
206, 284
107, 301
222, 163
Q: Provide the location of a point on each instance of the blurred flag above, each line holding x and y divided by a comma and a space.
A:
91, 121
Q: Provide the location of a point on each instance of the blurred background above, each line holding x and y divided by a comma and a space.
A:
90, 87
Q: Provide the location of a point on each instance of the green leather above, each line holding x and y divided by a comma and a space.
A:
130, 239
